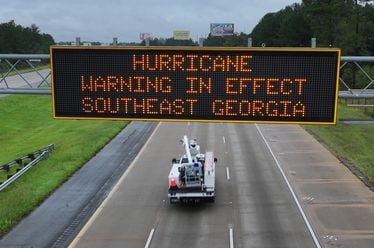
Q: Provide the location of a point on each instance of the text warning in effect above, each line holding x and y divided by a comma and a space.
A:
195, 84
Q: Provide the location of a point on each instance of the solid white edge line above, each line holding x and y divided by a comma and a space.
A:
102, 205
227, 173
231, 233
149, 238
311, 231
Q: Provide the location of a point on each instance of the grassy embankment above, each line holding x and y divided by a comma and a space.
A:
26, 125
353, 143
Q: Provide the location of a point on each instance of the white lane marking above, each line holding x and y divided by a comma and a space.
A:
297, 152
149, 238
307, 223
231, 233
283, 132
308, 199
103, 204
227, 173
224, 140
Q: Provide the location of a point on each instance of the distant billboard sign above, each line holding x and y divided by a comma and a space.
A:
181, 35
221, 29
144, 36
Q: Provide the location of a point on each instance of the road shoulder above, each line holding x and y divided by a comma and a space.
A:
340, 206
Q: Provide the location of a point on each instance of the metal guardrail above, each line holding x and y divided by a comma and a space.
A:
365, 92
33, 82
12, 60
35, 157
33, 91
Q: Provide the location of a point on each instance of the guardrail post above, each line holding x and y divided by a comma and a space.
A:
313, 42
36, 157
31, 156
249, 42
201, 42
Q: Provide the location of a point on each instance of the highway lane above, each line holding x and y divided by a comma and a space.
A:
255, 202
32, 78
18, 82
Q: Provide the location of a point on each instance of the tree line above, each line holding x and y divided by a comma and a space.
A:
18, 39
347, 24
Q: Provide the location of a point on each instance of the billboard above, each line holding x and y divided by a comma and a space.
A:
221, 29
144, 36
196, 84
181, 35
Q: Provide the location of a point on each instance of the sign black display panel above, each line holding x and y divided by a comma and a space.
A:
196, 84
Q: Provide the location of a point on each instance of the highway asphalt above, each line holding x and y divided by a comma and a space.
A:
253, 208
276, 186
32, 78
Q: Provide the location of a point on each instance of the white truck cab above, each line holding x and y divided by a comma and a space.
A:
192, 177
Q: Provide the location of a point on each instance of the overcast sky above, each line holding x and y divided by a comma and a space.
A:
98, 20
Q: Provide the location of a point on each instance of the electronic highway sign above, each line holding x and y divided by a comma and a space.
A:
262, 85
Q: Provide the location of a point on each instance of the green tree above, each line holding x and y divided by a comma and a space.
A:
347, 24
236, 40
214, 41
17, 39
294, 30
367, 27
173, 42
266, 31
169, 42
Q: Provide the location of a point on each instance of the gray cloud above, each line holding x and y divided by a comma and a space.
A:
96, 20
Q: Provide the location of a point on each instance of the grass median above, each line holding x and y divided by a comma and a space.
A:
353, 143
26, 125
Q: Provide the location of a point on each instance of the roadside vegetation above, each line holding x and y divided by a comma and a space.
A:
352, 143
15, 38
27, 125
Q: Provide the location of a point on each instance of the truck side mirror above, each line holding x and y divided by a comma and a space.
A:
174, 160
215, 160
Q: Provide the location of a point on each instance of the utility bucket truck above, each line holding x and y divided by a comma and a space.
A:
192, 177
